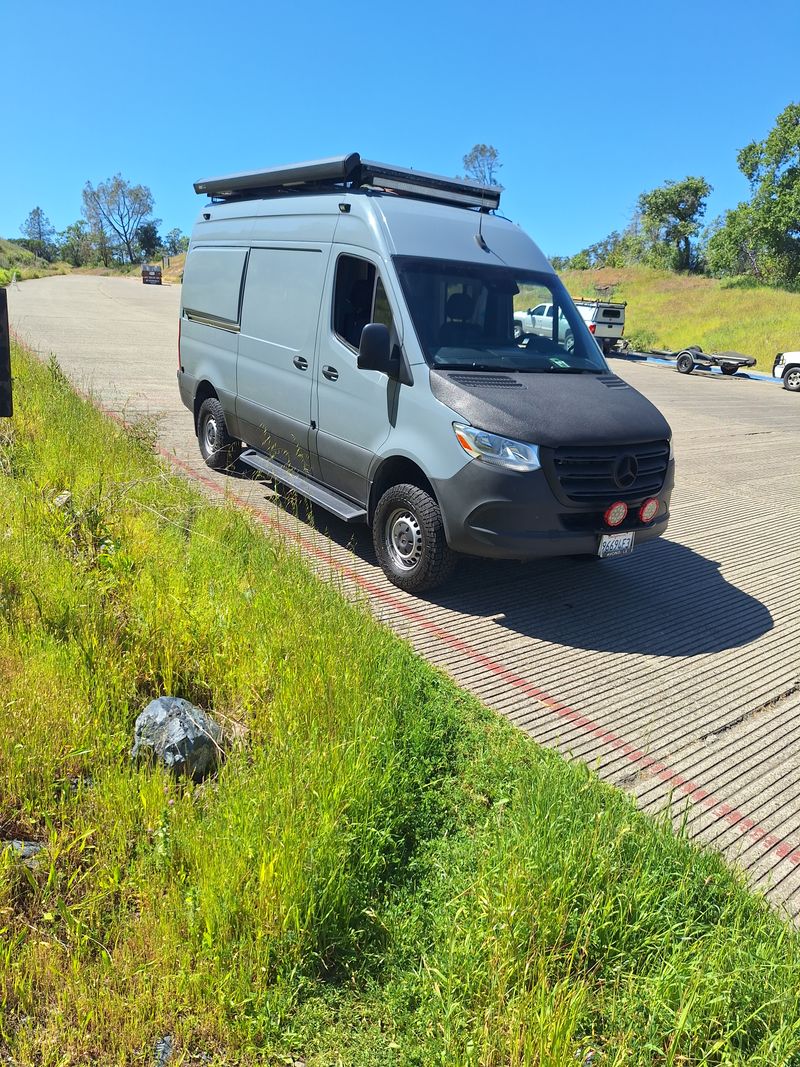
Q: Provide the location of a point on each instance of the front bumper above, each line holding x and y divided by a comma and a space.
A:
508, 515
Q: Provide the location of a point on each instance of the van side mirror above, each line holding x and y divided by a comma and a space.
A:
374, 351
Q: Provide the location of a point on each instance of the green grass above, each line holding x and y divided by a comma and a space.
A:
383, 873
673, 311
19, 262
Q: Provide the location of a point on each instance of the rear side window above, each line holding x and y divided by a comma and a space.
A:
359, 298
212, 285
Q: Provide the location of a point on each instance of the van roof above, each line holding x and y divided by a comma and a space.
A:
349, 172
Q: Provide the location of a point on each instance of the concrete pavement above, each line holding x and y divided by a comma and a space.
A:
675, 672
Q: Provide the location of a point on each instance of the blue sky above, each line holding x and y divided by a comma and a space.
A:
588, 104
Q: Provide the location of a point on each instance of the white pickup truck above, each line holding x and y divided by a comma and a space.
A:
606, 321
786, 369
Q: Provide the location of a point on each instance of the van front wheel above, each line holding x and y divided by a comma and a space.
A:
409, 539
217, 447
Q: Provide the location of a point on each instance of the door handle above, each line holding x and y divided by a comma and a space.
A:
300, 362
331, 373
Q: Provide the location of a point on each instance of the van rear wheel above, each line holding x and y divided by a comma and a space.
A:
410, 543
217, 447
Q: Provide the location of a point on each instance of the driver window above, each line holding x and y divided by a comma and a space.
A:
359, 297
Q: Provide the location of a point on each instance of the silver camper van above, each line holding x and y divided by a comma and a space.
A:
347, 328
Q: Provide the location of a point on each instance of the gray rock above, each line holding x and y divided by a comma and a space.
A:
180, 736
163, 1049
24, 851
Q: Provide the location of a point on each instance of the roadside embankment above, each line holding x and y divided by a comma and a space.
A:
672, 311
382, 872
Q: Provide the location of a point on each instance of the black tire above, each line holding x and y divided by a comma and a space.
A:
519, 333
685, 363
408, 535
217, 447
728, 368
569, 341
791, 380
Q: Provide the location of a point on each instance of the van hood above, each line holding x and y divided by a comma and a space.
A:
551, 409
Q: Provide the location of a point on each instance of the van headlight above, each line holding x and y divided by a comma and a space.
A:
502, 451
671, 449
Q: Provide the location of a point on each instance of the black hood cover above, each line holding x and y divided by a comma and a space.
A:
551, 409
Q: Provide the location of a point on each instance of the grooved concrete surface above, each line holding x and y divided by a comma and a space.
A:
675, 673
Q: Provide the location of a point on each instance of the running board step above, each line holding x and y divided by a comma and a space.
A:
313, 491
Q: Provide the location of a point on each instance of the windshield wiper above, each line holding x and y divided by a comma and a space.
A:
571, 370
469, 366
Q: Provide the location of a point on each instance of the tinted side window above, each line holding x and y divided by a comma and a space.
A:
358, 299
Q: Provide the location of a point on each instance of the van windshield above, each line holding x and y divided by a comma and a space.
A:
471, 316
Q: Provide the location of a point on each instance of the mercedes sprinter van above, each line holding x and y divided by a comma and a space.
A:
347, 328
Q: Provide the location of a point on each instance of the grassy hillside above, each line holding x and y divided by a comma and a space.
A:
675, 310
173, 272
383, 874
15, 260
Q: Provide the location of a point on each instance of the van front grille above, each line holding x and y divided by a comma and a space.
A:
587, 474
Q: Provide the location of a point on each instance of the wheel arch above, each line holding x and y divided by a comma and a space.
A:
205, 390
396, 470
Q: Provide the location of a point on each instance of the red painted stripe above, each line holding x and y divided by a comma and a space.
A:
723, 810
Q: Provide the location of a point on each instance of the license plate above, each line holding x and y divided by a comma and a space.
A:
620, 544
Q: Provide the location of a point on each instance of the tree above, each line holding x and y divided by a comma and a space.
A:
75, 244
116, 209
148, 239
39, 233
175, 242
482, 164
670, 218
772, 167
736, 244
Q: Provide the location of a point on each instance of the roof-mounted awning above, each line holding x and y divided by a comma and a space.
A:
349, 172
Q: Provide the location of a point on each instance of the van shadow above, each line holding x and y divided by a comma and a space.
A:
664, 600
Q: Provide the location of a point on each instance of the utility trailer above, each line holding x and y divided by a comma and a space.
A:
687, 359
690, 358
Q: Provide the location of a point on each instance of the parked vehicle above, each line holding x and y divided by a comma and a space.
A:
605, 320
347, 328
151, 274
786, 368
688, 359
539, 321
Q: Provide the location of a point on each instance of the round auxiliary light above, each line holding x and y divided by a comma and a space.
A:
615, 514
649, 510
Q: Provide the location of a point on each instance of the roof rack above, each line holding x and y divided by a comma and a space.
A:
349, 172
